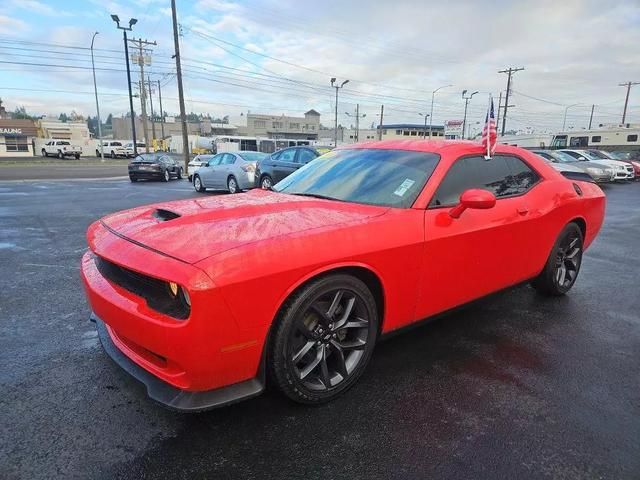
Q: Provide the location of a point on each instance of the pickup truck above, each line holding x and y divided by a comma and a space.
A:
141, 147
61, 149
112, 148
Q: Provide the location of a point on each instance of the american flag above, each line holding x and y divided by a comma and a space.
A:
489, 132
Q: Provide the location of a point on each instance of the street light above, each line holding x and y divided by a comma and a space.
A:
95, 89
425, 115
433, 94
564, 122
466, 103
335, 132
132, 22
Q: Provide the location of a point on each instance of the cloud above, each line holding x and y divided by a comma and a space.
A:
39, 8
11, 26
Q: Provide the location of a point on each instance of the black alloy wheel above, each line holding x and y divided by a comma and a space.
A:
324, 339
563, 265
167, 176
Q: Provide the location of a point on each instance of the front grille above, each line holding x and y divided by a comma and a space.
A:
155, 292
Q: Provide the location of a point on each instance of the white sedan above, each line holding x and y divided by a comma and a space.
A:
194, 164
624, 171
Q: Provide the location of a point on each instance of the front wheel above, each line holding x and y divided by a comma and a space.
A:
60, 155
266, 182
323, 339
44, 153
232, 185
113, 154
197, 184
180, 173
563, 265
167, 176
77, 155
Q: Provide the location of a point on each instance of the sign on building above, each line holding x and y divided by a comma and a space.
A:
453, 129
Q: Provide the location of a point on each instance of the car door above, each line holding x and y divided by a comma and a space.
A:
304, 156
224, 169
284, 164
207, 173
482, 251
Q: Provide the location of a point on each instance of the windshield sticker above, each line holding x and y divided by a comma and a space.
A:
404, 187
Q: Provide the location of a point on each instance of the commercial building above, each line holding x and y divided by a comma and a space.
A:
17, 137
410, 131
271, 126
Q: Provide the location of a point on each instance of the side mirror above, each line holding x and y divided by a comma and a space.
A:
473, 198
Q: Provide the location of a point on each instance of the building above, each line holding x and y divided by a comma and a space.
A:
271, 126
172, 126
17, 137
410, 131
77, 132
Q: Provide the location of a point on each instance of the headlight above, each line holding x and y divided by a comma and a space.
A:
179, 293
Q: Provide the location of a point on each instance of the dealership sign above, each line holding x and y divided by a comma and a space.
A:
453, 128
10, 131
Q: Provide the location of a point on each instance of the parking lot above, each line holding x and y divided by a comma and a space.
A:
514, 386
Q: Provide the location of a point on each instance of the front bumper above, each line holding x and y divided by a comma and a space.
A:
173, 397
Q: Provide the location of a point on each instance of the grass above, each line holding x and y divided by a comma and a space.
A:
40, 162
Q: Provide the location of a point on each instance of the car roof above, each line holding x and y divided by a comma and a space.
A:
450, 147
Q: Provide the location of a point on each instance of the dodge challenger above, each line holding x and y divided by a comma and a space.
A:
205, 300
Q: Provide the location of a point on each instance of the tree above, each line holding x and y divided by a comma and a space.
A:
92, 125
109, 120
20, 113
63, 117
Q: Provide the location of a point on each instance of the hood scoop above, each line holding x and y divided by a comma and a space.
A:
164, 215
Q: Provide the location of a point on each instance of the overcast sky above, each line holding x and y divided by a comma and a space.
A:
277, 57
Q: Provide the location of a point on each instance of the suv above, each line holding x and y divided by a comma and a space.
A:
61, 149
282, 164
112, 148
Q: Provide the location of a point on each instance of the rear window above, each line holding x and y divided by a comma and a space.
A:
251, 156
146, 158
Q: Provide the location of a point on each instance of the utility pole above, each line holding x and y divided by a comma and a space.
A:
426, 116
499, 107
591, 117
153, 123
143, 90
358, 117
510, 71
626, 100
337, 87
161, 111
466, 104
433, 97
95, 89
381, 117
132, 22
183, 114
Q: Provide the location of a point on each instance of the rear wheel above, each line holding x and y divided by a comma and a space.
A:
77, 155
197, 184
323, 339
563, 265
132, 178
60, 155
266, 182
232, 185
166, 176
180, 173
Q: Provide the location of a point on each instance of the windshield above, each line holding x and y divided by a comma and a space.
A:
116, 144
599, 154
563, 157
392, 178
252, 156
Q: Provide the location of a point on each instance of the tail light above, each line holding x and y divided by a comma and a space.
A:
249, 167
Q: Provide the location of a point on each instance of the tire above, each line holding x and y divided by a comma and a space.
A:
113, 154
311, 359
166, 176
180, 173
77, 155
266, 182
232, 185
133, 179
44, 153
97, 154
197, 184
563, 265
60, 155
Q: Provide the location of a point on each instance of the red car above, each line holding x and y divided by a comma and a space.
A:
202, 300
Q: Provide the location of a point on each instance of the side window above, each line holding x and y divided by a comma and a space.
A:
228, 159
503, 176
287, 155
216, 160
632, 138
305, 156
596, 139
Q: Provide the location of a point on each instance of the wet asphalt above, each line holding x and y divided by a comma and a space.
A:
514, 386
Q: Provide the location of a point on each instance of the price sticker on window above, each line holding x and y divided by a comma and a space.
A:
404, 187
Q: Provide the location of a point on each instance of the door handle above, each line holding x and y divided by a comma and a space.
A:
523, 210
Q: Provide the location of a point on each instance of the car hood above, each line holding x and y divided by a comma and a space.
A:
567, 167
192, 230
608, 163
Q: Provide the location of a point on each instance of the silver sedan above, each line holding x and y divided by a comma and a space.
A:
232, 171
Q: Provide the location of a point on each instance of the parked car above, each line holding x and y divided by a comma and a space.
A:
140, 147
633, 155
154, 166
560, 160
197, 161
112, 148
61, 149
623, 170
199, 298
233, 171
609, 155
283, 163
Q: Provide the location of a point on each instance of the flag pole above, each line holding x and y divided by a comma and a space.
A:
486, 126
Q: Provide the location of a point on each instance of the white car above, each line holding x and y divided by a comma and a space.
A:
141, 147
194, 164
624, 171
112, 148
61, 149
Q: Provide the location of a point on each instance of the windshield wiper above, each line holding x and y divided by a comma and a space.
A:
315, 195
